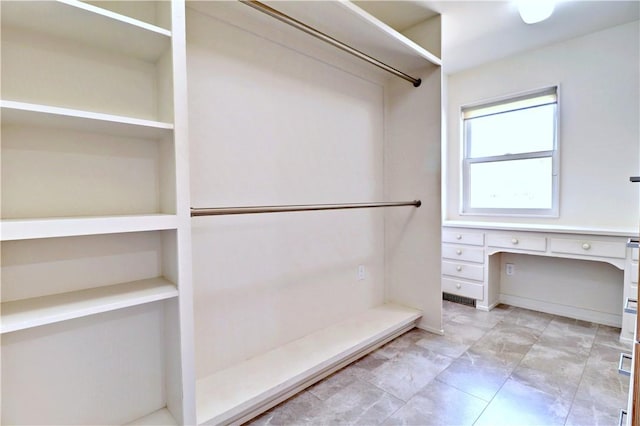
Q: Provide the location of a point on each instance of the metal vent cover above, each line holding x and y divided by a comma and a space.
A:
459, 299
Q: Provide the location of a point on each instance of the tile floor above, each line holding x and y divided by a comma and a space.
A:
510, 366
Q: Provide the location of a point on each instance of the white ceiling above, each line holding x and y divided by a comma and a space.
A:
475, 32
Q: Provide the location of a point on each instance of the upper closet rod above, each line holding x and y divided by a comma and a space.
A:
218, 211
328, 39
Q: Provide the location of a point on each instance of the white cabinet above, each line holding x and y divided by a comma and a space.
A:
470, 269
630, 291
463, 263
93, 238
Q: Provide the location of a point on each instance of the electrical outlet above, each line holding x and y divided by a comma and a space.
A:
510, 268
360, 272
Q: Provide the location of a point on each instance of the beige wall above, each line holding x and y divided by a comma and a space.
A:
599, 134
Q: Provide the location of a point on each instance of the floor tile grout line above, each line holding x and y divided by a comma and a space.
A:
514, 368
584, 369
494, 395
461, 390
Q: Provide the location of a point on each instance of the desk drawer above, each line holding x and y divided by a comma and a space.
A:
628, 326
461, 237
516, 241
469, 254
634, 254
588, 247
462, 288
462, 270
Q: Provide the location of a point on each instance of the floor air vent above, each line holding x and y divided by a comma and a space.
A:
459, 299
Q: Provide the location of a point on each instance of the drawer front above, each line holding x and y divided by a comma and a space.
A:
469, 254
628, 326
634, 254
463, 270
633, 274
515, 241
588, 248
631, 292
461, 288
461, 237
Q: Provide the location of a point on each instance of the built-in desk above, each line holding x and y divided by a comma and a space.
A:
470, 269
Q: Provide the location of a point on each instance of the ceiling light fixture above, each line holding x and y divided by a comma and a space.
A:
533, 11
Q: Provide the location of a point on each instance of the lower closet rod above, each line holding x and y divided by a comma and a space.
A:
218, 211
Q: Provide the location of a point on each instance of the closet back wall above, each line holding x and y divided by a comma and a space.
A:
270, 124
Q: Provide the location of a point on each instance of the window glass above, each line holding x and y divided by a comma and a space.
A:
513, 132
510, 163
523, 184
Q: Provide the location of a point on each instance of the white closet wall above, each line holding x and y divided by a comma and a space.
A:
295, 130
412, 170
277, 117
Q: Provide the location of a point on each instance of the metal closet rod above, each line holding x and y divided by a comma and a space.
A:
220, 211
328, 39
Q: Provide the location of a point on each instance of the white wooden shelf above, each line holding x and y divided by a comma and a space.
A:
26, 114
25, 229
350, 24
230, 394
341, 20
89, 24
160, 417
37, 311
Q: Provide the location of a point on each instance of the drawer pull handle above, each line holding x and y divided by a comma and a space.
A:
623, 414
630, 309
633, 243
458, 286
586, 246
514, 241
458, 237
621, 369
458, 252
458, 268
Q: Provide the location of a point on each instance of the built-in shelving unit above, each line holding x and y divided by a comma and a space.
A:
93, 238
95, 229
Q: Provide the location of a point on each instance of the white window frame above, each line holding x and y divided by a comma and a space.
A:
497, 106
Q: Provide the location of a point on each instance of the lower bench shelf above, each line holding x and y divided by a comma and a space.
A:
244, 390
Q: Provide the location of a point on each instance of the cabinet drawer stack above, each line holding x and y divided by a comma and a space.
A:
463, 263
630, 292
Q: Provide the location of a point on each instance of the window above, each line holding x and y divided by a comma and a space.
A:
510, 162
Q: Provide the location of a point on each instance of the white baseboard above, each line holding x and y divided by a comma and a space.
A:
431, 329
489, 307
563, 310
